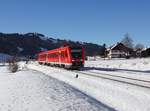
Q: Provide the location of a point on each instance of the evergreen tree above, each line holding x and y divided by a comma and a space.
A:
103, 50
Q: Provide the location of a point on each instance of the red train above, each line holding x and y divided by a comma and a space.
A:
67, 57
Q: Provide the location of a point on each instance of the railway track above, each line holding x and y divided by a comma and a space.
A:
116, 78
111, 75
122, 79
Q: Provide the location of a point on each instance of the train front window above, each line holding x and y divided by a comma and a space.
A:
76, 53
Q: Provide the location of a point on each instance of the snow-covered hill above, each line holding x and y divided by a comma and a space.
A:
29, 44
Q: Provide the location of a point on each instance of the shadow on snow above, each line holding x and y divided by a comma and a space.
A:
114, 69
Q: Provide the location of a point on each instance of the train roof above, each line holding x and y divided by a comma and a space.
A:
72, 47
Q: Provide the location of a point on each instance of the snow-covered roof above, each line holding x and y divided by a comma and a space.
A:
113, 46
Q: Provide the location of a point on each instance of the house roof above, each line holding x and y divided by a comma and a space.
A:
116, 45
113, 46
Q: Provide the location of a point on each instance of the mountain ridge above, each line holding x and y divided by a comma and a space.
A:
30, 44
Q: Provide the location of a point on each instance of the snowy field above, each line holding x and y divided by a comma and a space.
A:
135, 68
42, 88
119, 96
139, 64
30, 90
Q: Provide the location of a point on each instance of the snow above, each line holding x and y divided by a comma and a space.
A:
45, 88
4, 57
20, 49
127, 64
133, 68
43, 49
53, 40
30, 90
43, 38
118, 96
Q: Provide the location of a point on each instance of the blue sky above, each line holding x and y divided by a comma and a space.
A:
97, 21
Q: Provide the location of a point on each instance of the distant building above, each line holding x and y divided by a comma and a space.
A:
118, 51
139, 52
146, 52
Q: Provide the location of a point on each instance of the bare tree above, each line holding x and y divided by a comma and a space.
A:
127, 41
13, 65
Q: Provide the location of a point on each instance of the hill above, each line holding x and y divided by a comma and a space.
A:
30, 44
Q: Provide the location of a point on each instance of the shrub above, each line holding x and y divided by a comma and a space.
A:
13, 65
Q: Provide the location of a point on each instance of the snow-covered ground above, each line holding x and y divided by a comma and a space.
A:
140, 64
30, 90
44, 88
134, 68
119, 96
4, 57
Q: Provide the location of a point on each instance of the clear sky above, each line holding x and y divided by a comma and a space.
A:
97, 21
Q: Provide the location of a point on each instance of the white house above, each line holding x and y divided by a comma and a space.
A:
118, 51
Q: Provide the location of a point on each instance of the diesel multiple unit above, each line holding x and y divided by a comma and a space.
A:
67, 57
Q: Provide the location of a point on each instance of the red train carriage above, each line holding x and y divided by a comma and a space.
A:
68, 57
